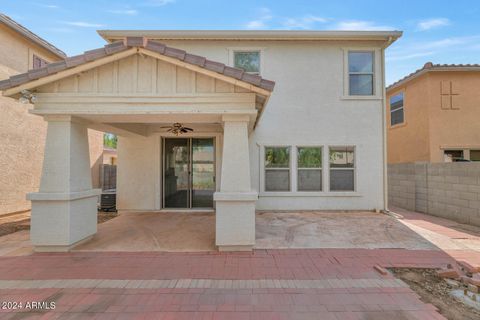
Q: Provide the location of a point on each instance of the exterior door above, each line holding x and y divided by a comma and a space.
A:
188, 173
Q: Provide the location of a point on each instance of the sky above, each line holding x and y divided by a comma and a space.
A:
437, 31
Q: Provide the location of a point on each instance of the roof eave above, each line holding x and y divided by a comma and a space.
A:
32, 36
286, 35
423, 71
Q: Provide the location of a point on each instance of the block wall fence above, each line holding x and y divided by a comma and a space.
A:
448, 190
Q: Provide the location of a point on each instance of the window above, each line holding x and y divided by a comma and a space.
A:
396, 109
38, 62
474, 155
309, 169
247, 60
342, 169
453, 155
360, 73
277, 169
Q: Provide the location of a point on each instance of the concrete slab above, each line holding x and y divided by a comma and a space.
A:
310, 229
155, 231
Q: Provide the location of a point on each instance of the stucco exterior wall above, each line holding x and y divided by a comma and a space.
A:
307, 108
457, 127
429, 128
138, 173
409, 141
22, 135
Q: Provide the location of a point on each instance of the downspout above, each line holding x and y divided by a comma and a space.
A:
384, 131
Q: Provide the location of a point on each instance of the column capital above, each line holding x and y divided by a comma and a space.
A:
235, 118
64, 118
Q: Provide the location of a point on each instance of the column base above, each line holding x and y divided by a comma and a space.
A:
61, 248
61, 221
235, 248
235, 220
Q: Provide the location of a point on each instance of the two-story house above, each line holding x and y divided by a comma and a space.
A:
231, 121
433, 115
22, 135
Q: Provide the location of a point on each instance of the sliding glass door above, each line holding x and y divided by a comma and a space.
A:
188, 172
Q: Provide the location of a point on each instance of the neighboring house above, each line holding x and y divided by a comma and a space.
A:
433, 115
109, 156
22, 135
309, 138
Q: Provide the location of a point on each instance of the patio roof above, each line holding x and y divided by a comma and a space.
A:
28, 80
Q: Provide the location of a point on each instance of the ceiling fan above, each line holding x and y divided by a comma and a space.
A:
177, 128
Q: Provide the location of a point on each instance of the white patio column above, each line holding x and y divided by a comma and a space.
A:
235, 203
64, 211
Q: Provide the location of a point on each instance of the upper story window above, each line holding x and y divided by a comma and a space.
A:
38, 62
247, 60
396, 109
360, 73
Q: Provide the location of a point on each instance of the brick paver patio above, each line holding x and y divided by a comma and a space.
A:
265, 284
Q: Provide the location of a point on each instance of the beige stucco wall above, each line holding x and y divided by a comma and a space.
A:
428, 128
22, 135
308, 107
459, 127
409, 141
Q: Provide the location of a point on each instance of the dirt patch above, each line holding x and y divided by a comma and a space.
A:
105, 216
11, 227
434, 290
14, 226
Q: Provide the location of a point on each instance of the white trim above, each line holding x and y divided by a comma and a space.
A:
401, 92
386, 36
322, 186
293, 172
377, 69
354, 168
264, 169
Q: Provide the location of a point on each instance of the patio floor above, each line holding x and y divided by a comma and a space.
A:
187, 232
316, 283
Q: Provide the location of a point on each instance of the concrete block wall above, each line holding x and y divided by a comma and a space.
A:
401, 185
448, 190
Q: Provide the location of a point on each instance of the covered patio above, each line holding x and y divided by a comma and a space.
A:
195, 231
134, 88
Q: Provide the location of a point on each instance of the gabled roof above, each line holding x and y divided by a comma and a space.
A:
6, 20
429, 66
141, 43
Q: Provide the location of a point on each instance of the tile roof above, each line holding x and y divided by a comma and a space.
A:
139, 42
429, 66
30, 35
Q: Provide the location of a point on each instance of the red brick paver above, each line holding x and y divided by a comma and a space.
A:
359, 301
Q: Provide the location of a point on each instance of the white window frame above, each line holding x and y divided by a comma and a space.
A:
231, 56
265, 169
293, 170
354, 168
377, 72
297, 167
402, 108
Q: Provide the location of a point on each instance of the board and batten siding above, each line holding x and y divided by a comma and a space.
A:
138, 74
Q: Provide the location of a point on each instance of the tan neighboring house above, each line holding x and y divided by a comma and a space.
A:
22, 135
433, 115
109, 156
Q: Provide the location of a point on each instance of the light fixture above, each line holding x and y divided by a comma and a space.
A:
27, 97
